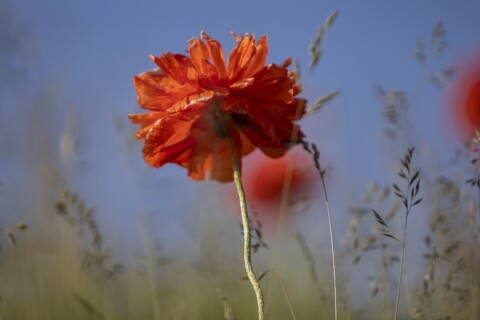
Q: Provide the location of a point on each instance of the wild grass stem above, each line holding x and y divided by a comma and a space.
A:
409, 200
400, 274
316, 158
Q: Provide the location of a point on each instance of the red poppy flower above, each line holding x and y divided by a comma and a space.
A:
265, 180
195, 102
466, 97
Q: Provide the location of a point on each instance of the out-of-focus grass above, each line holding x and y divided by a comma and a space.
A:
45, 276
61, 268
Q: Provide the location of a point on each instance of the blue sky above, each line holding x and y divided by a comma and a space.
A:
86, 52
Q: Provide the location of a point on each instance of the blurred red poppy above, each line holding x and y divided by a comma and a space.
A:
265, 180
465, 96
196, 102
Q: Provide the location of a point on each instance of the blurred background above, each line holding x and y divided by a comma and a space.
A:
66, 146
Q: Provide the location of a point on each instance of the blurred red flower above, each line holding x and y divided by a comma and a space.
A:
465, 98
266, 178
196, 102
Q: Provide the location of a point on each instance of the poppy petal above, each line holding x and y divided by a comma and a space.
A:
175, 65
166, 133
199, 54
216, 54
257, 61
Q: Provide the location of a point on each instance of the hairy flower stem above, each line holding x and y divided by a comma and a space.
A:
247, 254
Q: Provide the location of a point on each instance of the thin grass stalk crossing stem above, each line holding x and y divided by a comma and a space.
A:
288, 299
247, 254
285, 198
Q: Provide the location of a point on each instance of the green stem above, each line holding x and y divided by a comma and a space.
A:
247, 254
316, 158
400, 274
409, 202
331, 244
